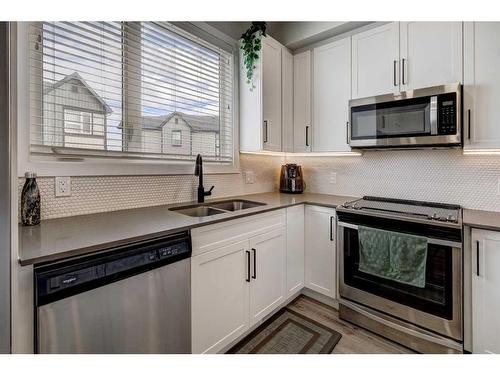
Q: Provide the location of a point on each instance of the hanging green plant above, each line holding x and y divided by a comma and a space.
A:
251, 45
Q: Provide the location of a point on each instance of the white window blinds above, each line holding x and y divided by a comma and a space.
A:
129, 89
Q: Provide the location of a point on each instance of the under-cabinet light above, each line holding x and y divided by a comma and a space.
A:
302, 154
490, 151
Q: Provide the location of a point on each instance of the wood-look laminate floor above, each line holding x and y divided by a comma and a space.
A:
355, 340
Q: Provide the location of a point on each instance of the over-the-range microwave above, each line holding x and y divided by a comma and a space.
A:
428, 117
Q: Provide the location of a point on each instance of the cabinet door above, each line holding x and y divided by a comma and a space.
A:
431, 54
271, 94
294, 249
287, 101
332, 91
320, 250
302, 102
219, 297
485, 291
375, 61
267, 287
481, 84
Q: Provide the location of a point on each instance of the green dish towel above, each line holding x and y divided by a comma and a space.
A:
395, 256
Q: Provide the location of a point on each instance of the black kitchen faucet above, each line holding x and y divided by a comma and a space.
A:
198, 171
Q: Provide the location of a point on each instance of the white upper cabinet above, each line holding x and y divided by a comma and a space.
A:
481, 85
431, 54
332, 91
266, 110
375, 61
485, 291
286, 101
302, 102
271, 94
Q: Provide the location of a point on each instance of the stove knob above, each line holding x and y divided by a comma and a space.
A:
451, 218
434, 216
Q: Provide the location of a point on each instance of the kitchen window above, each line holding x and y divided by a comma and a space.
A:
114, 88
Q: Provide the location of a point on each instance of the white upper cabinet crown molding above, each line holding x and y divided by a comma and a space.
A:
481, 85
375, 61
332, 91
431, 54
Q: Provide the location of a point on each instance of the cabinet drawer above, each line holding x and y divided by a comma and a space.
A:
221, 234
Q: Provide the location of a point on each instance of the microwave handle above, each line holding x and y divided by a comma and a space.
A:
433, 241
434, 115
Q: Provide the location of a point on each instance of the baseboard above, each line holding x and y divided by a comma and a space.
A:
320, 298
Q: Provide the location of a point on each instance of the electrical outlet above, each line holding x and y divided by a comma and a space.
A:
333, 177
249, 177
63, 186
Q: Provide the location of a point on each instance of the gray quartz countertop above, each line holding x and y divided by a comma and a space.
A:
57, 239
481, 219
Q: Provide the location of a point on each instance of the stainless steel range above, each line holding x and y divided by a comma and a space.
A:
400, 266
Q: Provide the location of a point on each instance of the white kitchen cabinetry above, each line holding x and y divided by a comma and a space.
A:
403, 56
219, 297
238, 275
295, 227
264, 110
375, 61
431, 54
332, 91
302, 129
268, 274
481, 85
320, 262
485, 291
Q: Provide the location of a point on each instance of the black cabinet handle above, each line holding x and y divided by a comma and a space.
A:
248, 266
477, 258
395, 77
254, 264
265, 131
468, 124
331, 228
307, 135
403, 72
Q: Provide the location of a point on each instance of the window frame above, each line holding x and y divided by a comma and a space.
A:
60, 164
178, 142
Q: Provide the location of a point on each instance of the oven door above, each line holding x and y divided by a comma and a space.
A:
437, 306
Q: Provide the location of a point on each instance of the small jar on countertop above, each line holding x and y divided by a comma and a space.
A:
30, 201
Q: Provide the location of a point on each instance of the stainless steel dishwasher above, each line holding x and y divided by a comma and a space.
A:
131, 299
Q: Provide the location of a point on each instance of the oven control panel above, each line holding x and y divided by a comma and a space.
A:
447, 114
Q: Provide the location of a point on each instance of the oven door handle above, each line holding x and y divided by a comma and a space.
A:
433, 241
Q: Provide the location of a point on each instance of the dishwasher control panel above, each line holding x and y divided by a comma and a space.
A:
66, 278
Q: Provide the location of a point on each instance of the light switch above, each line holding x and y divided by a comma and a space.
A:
333, 177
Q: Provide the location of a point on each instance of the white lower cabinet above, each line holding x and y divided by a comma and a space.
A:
267, 285
219, 297
237, 278
294, 249
320, 264
485, 291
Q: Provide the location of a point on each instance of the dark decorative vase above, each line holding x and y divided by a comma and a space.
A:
30, 201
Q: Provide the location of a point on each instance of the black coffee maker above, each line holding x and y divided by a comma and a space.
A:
292, 179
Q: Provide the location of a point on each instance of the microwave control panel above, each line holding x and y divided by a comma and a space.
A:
447, 114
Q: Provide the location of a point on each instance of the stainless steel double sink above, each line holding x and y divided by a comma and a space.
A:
216, 208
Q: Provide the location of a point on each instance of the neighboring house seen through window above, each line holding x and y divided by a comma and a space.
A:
125, 87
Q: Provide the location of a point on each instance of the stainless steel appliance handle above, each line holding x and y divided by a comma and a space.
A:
394, 68
347, 132
433, 241
433, 115
307, 135
265, 131
254, 276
